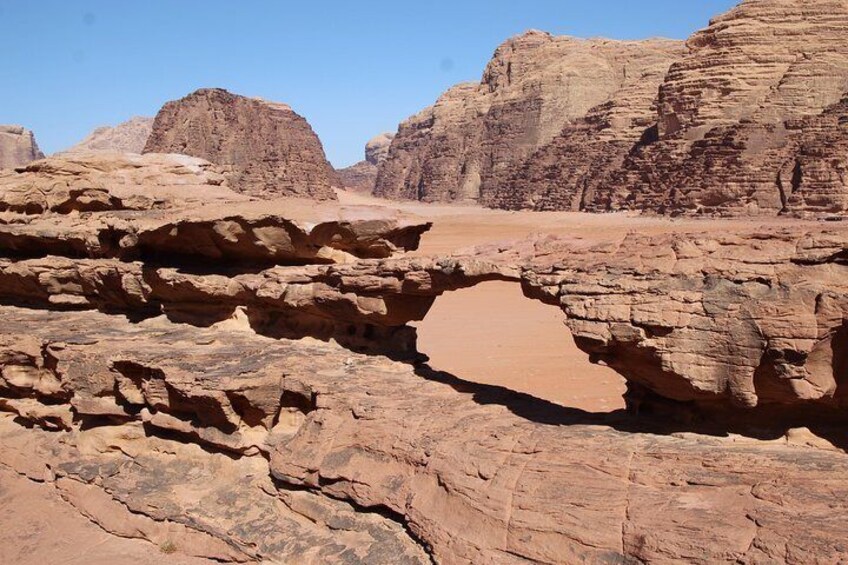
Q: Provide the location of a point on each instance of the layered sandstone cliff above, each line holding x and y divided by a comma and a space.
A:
269, 150
751, 120
17, 147
128, 137
362, 176
464, 147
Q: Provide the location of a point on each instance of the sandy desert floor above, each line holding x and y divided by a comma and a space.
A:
492, 334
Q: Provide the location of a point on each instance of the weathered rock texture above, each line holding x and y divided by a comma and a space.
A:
752, 120
111, 181
360, 471
196, 376
362, 176
465, 146
128, 137
269, 150
17, 147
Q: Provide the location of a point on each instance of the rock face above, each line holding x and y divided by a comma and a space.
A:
362, 176
128, 137
268, 149
751, 121
96, 182
17, 147
464, 147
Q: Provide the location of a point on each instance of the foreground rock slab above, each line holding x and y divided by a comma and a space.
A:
540, 483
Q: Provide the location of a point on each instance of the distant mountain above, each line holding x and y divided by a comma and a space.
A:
128, 137
17, 147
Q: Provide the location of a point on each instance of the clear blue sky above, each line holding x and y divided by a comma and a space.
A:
352, 68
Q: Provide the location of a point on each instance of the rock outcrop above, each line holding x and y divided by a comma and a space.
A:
693, 318
759, 91
465, 146
362, 176
750, 120
269, 150
17, 147
128, 137
360, 470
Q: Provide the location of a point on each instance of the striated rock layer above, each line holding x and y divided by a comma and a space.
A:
466, 145
749, 120
760, 90
17, 147
128, 137
268, 149
362, 176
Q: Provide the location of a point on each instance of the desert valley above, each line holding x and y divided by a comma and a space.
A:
590, 309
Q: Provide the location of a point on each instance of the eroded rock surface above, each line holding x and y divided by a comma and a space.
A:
465, 146
17, 147
350, 432
268, 149
739, 115
128, 137
749, 119
215, 380
111, 181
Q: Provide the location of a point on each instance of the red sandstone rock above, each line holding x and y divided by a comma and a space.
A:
464, 147
356, 451
362, 176
269, 150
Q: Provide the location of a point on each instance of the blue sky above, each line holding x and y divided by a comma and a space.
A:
353, 69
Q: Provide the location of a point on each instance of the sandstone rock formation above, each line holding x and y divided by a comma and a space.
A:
694, 318
268, 149
360, 470
739, 116
128, 137
17, 147
464, 147
97, 182
196, 377
751, 120
362, 176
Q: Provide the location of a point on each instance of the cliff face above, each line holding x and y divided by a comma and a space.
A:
128, 137
750, 119
465, 146
269, 149
17, 147
740, 115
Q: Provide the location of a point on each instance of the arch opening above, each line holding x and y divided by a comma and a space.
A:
492, 334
